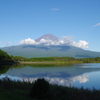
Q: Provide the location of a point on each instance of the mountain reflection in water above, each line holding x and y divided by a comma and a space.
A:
77, 75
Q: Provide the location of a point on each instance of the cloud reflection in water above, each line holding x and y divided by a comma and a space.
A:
61, 81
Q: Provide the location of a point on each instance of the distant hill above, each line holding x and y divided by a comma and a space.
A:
50, 50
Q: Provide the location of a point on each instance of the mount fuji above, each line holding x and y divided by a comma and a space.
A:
48, 45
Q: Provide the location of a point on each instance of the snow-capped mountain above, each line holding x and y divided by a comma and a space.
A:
47, 37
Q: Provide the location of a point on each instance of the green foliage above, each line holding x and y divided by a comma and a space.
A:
4, 56
18, 58
4, 69
8, 84
42, 59
64, 60
39, 89
50, 59
14, 90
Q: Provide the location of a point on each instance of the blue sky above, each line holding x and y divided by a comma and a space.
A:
23, 19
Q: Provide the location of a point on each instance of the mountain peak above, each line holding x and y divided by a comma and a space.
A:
47, 37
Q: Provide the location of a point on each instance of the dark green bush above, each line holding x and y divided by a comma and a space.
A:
40, 89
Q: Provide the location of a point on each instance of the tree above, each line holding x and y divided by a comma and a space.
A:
39, 89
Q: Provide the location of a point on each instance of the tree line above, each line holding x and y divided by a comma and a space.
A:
5, 57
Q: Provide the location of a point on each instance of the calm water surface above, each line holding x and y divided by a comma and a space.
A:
78, 75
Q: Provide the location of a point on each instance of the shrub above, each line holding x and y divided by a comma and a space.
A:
39, 89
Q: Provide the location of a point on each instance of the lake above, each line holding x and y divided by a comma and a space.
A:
78, 75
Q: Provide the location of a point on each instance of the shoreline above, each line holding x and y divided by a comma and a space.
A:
36, 62
41, 62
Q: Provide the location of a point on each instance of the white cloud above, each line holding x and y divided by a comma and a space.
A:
27, 41
55, 9
81, 78
0, 42
80, 44
66, 40
96, 25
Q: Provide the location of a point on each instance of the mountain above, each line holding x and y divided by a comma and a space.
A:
48, 37
49, 50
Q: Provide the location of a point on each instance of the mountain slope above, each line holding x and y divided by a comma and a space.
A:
48, 51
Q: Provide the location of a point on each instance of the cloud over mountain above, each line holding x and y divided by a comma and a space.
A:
27, 41
47, 42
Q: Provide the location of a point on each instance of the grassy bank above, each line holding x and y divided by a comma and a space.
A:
16, 90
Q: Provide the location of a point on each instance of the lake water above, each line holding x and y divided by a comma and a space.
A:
78, 75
